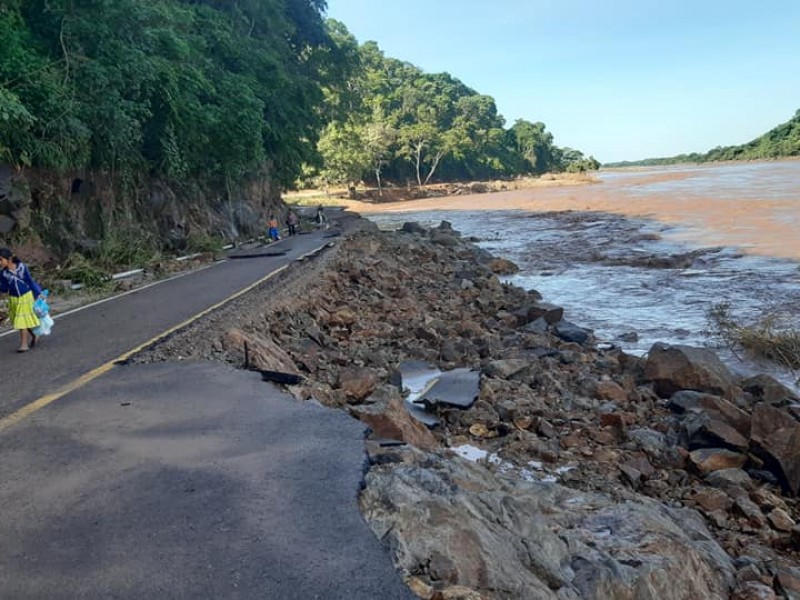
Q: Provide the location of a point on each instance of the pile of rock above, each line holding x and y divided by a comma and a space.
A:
600, 474
639, 442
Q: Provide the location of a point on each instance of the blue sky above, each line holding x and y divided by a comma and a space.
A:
619, 79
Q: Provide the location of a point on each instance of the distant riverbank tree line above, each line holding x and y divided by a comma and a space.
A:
781, 142
391, 121
219, 91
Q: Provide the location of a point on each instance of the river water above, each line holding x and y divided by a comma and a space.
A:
643, 256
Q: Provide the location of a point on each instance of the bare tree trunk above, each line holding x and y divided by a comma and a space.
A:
64, 50
435, 164
378, 177
419, 160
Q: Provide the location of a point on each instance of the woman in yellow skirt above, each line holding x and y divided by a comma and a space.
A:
16, 281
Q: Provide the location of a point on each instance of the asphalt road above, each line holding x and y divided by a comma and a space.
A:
86, 339
176, 480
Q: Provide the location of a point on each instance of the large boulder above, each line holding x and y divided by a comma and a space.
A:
357, 382
716, 408
549, 312
711, 421
258, 352
570, 332
388, 418
775, 436
502, 266
704, 432
454, 523
708, 460
413, 227
675, 368
768, 389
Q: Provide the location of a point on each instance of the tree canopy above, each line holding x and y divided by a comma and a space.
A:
212, 89
389, 120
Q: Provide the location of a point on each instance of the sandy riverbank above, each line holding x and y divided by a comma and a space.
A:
392, 194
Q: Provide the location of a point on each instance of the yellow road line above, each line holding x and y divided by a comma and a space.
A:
39, 404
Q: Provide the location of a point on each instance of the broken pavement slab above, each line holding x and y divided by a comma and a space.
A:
428, 387
454, 389
256, 253
416, 377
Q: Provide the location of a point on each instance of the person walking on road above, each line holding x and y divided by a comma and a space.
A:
292, 221
22, 290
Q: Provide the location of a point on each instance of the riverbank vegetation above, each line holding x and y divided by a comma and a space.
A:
179, 90
781, 142
216, 90
770, 337
171, 120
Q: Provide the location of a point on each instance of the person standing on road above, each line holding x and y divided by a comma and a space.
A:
322, 220
22, 290
292, 221
274, 232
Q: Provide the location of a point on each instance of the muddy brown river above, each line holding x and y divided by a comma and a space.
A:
643, 256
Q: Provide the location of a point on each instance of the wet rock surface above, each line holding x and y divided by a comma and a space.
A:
579, 471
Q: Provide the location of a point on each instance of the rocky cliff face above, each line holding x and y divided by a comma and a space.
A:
52, 215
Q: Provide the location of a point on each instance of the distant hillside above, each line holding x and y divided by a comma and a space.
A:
780, 142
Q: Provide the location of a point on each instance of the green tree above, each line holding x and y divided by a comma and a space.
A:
345, 154
182, 89
781, 141
379, 138
535, 145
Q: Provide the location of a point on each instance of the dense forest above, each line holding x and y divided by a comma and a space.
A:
781, 142
190, 114
179, 89
389, 120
